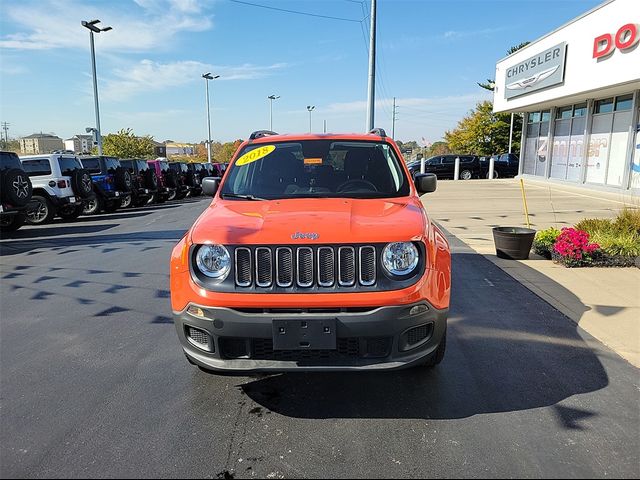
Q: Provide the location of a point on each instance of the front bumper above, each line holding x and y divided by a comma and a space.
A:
368, 339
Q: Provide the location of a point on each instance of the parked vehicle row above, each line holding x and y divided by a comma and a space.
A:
37, 188
471, 166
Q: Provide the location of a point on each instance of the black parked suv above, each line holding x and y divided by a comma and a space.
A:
111, 182
184, 177
144, 183
505, 165
15, 192
199, 171
444, 166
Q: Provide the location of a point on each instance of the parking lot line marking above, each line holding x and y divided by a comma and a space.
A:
489, 282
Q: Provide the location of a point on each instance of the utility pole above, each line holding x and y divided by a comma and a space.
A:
371, 96
393, 120
207, 77
5, 127
325, 126
271, 99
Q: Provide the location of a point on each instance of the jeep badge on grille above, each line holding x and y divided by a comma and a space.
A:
305, 236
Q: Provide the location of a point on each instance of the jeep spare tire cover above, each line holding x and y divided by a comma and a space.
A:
123, 179
16, 188
81, 183
151, 179
170, 177
190, 179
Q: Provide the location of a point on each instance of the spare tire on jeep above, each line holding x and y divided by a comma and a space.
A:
189, 179
15, 187
81, 183
150, 179
123, 179
171, 179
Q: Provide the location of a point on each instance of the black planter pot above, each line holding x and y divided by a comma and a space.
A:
513, 243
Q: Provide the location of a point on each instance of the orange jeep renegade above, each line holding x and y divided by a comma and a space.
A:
315, 254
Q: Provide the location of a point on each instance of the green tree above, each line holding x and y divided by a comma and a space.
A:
483, 132
491, 84
125, 144
12, 145
222, 152
438, 148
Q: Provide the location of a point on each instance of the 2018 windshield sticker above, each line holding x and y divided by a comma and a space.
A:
255, 154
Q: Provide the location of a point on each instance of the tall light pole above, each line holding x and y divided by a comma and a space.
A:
91, 26
371, 96
271, 99
207, 77
310, 109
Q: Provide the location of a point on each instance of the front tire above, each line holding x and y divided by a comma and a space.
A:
438, 355
466, 175
11, 223
495, 174
43, 211
112, 206
126, 201
70, 212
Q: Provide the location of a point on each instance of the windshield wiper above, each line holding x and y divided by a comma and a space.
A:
243, 197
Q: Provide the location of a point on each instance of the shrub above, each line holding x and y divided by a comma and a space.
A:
594, 225
628, 221
572, 248
544, 240
618, 243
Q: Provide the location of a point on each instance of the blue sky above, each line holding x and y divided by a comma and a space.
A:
430, 56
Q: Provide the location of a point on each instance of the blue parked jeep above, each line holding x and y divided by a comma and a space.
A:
111, 183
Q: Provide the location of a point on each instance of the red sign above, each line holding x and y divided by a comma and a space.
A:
625, 38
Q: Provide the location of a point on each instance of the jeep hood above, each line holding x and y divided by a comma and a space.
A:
332, 220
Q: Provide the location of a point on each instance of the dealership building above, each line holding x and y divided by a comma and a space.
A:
578, 88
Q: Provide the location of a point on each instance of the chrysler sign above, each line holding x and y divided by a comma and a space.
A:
540, 71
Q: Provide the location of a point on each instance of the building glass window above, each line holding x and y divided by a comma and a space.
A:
604, 106
624, 103
568, 142
536, 145
580, 110
607, 151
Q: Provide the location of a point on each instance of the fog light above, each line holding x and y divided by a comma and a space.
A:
196, 311
418, 309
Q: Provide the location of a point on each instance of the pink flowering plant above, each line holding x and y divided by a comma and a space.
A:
572, 248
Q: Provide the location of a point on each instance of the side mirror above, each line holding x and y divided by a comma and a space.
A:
210, 185
426, 182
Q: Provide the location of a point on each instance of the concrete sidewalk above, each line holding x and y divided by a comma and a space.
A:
603, 301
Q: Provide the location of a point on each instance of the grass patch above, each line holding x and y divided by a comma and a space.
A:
617, 237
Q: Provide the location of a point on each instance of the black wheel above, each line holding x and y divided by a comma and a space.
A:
150, 179
11, 223
466, 175
172, 195
81, 183
126, 201
438, 355
70, 212
15, 187
92, 206
42, 211
111, 206
181, 195
495, 174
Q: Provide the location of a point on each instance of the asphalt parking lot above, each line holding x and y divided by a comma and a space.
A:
94, 383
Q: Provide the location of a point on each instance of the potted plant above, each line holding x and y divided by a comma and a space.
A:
513, 243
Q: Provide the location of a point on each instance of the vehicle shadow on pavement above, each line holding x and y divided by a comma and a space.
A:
21, 246
507, 350
51, 231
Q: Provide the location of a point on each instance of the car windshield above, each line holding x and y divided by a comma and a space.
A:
316, 168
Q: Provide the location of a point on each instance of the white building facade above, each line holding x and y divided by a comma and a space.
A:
579, 90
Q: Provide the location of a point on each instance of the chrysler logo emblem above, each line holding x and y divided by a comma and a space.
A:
305, 236
532, 80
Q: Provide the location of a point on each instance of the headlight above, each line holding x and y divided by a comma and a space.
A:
214, 261
400, 258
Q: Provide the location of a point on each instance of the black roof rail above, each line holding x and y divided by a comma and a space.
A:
378, 131
261, 133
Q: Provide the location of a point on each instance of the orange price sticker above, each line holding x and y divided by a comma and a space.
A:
312, 161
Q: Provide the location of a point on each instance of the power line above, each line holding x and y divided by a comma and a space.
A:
295, 11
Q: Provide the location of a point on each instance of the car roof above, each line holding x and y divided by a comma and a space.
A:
365, 137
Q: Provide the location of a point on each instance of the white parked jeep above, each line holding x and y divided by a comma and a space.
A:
60, 185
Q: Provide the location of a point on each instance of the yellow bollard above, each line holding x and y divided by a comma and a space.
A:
524, 201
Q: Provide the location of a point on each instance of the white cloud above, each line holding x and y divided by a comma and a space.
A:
148, 75
152, 24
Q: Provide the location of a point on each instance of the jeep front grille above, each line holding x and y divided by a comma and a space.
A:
305, 267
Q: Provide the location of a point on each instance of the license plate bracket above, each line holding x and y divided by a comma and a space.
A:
311, 334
